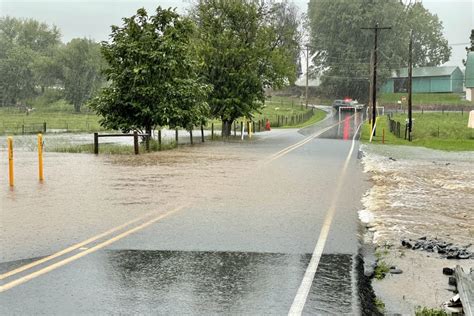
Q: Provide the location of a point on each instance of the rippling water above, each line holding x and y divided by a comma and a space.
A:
419, 192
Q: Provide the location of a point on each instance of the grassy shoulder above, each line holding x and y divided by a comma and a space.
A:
287, 110
447, 131
318, 115
426, 99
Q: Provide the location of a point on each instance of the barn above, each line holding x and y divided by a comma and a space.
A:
445, 79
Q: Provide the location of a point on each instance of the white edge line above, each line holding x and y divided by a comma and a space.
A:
305, 286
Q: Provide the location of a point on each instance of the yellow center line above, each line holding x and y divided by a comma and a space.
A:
71, 248
61, 263
290, 148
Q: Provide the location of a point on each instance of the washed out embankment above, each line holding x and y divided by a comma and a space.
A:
418, 193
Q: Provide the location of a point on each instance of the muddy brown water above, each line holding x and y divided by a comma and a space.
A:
419, 192
83, 193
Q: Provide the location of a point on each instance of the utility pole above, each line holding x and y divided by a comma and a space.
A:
410, 80
374, 73
307, 73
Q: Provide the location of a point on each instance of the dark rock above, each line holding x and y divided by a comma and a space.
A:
452, 255
444, 249
395, 270
448, 271
452, 281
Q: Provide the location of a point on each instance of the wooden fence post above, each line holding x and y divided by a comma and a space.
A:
159, 139
135, 142
212, 131
202, 133
96, 143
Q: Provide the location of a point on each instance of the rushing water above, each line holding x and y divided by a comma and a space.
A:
419, 192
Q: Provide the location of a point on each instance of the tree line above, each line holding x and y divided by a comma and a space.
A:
33, 59
165, 69
342, 50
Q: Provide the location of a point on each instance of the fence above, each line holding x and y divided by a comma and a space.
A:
23, 128
277, 120
395, 127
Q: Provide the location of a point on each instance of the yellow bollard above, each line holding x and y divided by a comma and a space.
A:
40, 157
10, 161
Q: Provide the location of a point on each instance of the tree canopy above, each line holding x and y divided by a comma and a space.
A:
152, 74
32, 59
23, 43
245, 46
81, 64
343, 51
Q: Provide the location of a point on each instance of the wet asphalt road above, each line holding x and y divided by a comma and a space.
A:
242, 248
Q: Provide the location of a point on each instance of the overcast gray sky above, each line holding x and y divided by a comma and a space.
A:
88, 18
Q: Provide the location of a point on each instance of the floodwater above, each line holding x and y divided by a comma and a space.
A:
61, 140
85, 194
419, 192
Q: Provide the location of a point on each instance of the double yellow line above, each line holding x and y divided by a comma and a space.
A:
300, 143
81, 254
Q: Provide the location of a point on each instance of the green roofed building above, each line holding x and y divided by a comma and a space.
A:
446, 79
469, 83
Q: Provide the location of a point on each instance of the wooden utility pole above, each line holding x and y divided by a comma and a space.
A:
376, 29
410, 80
371, 70
307, 73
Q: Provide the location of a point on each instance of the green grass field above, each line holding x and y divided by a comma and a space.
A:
426, 99
59, 116
447, 131
12, 121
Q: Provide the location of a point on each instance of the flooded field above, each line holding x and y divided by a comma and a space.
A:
52, 141
419, 192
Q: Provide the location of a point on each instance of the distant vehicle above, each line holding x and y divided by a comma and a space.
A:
346, 104
338, 103
356, 105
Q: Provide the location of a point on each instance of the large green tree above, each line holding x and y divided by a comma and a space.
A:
81, 62
343, 51
470, 48
26, 49
17, 81
245, 46
152, 74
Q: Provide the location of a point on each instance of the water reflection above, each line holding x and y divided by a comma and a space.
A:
225, 282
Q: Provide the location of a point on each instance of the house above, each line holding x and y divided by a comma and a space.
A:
469, 77
448, 79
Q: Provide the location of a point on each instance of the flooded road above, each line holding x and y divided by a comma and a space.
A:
239, 243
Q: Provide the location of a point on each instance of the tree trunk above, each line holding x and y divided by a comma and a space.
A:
77, 108
226, 128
